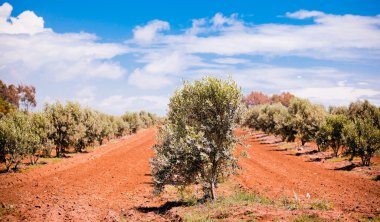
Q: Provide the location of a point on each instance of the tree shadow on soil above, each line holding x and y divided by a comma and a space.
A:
315, 159
279, 150
306, 153
269, 142
347, 167
163, 209
22, 167
3, 171
318, 159
149, 183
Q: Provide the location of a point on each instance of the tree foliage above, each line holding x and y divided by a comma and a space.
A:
17, 96
258, 98
331, 133
267, 117
17, 138
66, 120
43, 129
362, 133
301, 118
197, 142
284, 125
60, 126
133, 118
354, 130
90, 125
306, 118
283, 98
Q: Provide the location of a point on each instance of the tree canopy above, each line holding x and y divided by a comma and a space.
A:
197, 142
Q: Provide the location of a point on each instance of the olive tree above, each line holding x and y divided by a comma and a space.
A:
338, 110
284, 126
362, 134
134, 121
266, 118
252, 116
322, 138
306, 118
43, 129
331, 133
106, 128
90, 123
16, 137
121, 127
66, 120
197, 142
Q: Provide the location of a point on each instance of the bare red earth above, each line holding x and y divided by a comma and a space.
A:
276, 173
114, 180
87, 187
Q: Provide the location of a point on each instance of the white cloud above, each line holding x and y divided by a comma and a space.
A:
338, 37
221, 22
146, 34
86, 95
339, 95
220, 45
5, 11
277, 78
231, 60
342, 83
328, 37
160, 69
119, 104
25, 23
146, 80
302, 14
196, 27
28, 49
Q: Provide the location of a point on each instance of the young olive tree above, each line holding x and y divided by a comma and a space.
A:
43, 129
362, 133
197, 142
16, 137
322, 138
121, 127
332, 132
252, 116
284, 126
134, 121
266, 118
106, 128
306, 118
66, 121
90, 123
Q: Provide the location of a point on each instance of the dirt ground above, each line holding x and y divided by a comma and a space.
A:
114, 180
276, 172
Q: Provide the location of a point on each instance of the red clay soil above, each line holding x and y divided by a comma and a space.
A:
86, 187
114, 180
276, 173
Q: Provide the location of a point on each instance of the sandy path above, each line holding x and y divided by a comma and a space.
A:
276, 173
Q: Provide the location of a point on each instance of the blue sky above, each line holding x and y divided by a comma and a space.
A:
116, 56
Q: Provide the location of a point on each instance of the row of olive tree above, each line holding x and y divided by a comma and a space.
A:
301, 119
354, 130
61, 126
